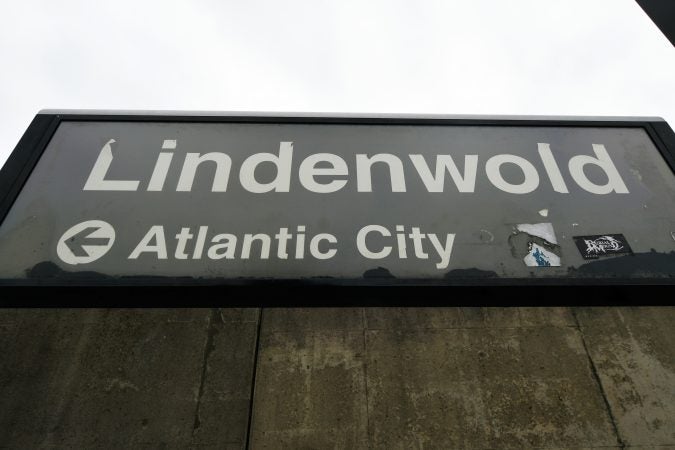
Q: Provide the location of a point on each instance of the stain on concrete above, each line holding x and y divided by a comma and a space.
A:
209, 346
123, 378
412, 318
224, 392
557, 316
312, 319
495, 317
635, 358
310, 391
117, 383
483, 388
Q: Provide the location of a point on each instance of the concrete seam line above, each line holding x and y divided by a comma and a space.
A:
249, 427
208, 348
365, 374
598, 381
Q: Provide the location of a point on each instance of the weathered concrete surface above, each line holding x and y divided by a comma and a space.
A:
124, 378
223, 407
633, 350
447, 378
338, 378
463, 317
483, 388
310, 384
302, 320
438, 378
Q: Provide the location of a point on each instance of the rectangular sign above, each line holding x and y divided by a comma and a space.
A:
340, 200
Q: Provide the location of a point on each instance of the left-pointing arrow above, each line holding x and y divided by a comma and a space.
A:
80, 243
85, 242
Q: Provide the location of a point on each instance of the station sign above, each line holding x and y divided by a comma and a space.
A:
121, 197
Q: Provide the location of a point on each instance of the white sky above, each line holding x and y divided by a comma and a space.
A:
572, 57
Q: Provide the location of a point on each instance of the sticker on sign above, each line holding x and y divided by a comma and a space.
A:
592, 247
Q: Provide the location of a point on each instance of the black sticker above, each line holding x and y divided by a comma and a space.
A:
592, 247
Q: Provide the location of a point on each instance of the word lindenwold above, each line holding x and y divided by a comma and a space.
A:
314, 170
372, 242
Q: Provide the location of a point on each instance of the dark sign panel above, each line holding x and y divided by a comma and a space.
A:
337, 200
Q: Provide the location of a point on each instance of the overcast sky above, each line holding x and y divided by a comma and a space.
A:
572, 57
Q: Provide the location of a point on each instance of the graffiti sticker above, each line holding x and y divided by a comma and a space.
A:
593, 247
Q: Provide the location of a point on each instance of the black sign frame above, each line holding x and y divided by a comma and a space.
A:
36, 138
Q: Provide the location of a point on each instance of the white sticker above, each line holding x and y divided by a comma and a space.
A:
540, 230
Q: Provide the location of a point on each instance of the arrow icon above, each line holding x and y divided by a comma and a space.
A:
85, 242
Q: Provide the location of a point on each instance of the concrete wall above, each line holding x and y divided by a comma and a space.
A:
338, 378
